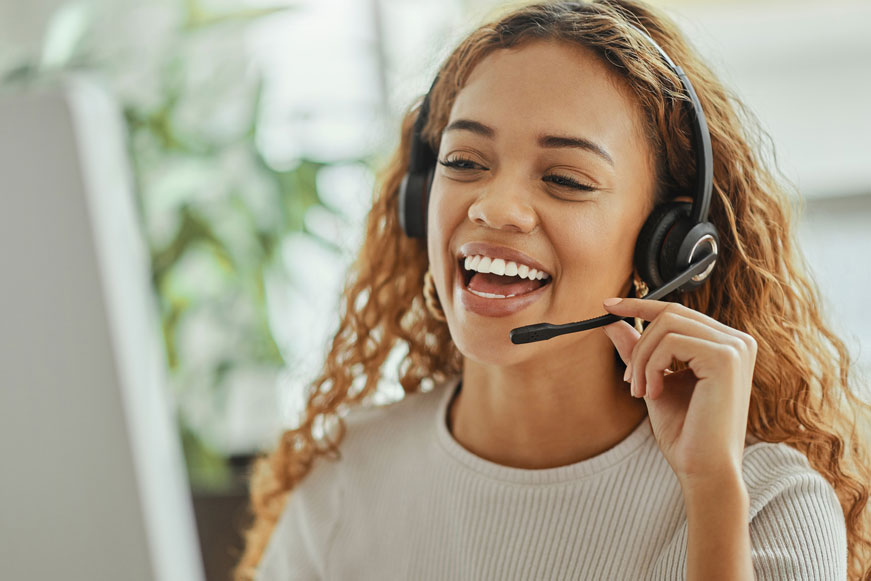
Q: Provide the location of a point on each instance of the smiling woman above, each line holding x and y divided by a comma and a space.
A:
718, 441
558, 170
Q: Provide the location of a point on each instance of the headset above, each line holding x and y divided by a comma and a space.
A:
668, 254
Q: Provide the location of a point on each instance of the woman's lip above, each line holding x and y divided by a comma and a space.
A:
503, 252
492, 307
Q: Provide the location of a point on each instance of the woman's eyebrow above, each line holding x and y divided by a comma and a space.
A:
546, 141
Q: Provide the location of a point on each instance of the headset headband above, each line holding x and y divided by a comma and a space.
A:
423, 158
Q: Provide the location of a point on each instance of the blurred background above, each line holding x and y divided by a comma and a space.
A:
254, 128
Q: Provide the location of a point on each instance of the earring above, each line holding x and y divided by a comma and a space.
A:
640, 291
431, 298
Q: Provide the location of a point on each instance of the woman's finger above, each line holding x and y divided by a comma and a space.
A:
667, 323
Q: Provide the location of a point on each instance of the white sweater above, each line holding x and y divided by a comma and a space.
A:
407, 502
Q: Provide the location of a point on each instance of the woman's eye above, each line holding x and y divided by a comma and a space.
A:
457, 163
568, 182
461, 163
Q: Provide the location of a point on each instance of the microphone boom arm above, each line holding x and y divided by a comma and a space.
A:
544, 331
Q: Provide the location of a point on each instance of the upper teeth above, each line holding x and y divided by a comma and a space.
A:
485, 264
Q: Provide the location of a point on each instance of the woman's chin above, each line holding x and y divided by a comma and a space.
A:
492, 346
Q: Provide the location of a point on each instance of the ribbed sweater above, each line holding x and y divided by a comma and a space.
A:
407, 501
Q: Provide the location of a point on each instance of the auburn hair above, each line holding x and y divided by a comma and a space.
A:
802, 384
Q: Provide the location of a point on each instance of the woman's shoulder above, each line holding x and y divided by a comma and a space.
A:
778, 473
379, 440
797, 524
386, 424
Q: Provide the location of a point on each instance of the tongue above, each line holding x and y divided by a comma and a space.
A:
502, 285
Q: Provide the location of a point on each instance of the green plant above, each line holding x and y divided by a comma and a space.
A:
214, 211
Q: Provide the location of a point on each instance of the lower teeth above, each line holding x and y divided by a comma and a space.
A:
490, 295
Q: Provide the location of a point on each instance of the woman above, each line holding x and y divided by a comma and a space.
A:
715, 439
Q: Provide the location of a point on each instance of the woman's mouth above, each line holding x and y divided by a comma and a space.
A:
495, 287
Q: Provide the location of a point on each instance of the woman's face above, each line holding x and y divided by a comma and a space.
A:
551, 171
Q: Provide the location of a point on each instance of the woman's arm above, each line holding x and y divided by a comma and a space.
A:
718, 533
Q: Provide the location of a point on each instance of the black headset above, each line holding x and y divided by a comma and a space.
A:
667, 245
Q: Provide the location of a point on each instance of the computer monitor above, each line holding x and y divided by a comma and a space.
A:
92, 482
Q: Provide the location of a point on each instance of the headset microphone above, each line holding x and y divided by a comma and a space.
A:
544, 331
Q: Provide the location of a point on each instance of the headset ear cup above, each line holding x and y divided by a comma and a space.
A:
427, 188
402, 204
670, 262
413, 194
414, 189
703, 238
648, 247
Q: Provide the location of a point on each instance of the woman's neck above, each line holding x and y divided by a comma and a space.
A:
540, 420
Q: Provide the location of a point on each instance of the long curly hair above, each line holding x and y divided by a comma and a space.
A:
761, 285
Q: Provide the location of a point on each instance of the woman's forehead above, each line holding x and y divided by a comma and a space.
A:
549, 87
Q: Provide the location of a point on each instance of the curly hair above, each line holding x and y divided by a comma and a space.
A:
802, 384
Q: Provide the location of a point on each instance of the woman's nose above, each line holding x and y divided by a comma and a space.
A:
503, 207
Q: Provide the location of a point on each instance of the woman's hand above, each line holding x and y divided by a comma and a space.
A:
698, 415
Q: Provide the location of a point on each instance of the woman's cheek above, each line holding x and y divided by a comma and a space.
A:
584, 248
435, 226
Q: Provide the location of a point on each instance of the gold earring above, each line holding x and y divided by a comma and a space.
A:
641, 290
431, 298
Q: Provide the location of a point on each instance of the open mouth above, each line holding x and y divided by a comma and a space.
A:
494, 279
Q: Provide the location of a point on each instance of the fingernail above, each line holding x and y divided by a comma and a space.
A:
611, 302
632, 388
628, 372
